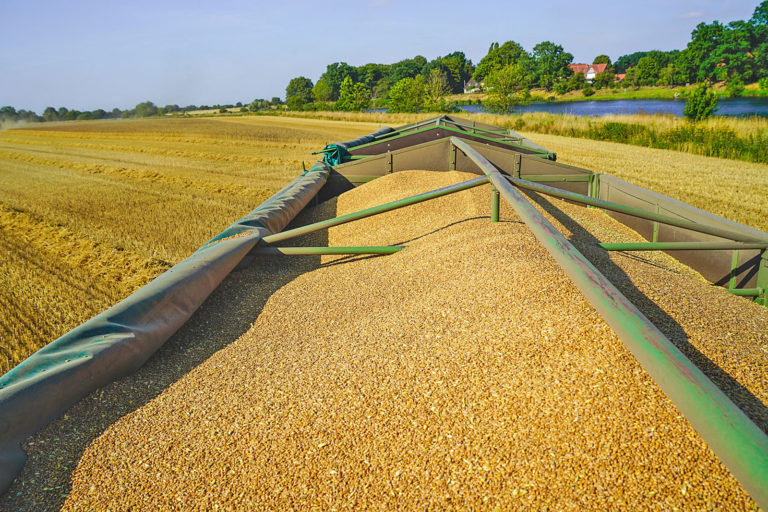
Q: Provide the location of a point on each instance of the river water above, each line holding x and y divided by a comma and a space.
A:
728, 107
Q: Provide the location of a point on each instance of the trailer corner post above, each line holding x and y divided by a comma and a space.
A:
762, 281
494, 204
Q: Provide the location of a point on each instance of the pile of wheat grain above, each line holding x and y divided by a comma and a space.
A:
465, 371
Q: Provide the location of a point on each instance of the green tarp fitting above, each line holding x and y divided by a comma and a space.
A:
338, 152
119, 341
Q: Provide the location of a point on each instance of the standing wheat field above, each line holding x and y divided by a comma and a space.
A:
91, 211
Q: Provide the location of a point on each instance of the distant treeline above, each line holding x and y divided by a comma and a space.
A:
735, 53
144, 109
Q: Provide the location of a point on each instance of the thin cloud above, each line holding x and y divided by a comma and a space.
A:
691, 15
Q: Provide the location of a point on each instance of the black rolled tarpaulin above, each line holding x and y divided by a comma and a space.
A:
119, 341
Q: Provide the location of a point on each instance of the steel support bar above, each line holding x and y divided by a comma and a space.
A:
408, 128
736, 440
368, 212
635, 212
501, 136
569, 178
494, 205
301, 251
682, 246
746, 292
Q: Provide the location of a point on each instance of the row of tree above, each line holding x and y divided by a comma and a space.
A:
735, 53
144, 109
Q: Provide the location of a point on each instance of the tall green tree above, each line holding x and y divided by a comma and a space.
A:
322, 91
550, 63
602, 59
456, 68
647, 71
50, 114
335, 74
436, 89
701, 104
759, 24
407, 68
507, 87
500, 56
370, 74
604, 79
671, 75
408, 95
353, 97
298, 92
145, 109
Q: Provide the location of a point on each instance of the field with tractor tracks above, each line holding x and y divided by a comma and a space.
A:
91, 211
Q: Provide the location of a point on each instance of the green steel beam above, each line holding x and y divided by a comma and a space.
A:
430, 126
408, 127
736, 440
302, 251
570, 178
501, 134
635, 212
762, 283
682, 246
734, 269
368, 212
746, 292
494, 205
352, 178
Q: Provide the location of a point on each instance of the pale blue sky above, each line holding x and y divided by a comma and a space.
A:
88, 54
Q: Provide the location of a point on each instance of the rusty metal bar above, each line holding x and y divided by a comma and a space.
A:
736, 440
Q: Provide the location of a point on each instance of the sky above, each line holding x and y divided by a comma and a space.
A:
88, 54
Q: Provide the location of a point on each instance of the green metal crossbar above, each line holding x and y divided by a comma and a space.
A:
303, 251
368, 212
513, 142
747, 292
682, 246
445, 121
635, 212
736, 440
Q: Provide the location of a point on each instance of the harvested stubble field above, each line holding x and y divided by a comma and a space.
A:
89, 212
464, 372
729, 188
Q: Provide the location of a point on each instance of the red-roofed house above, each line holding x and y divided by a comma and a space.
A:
590, 71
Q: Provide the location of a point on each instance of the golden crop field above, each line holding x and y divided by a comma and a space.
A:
732, 189
91, 211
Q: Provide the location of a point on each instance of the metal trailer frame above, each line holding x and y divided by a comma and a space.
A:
656, 217
441, 127
506, 161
